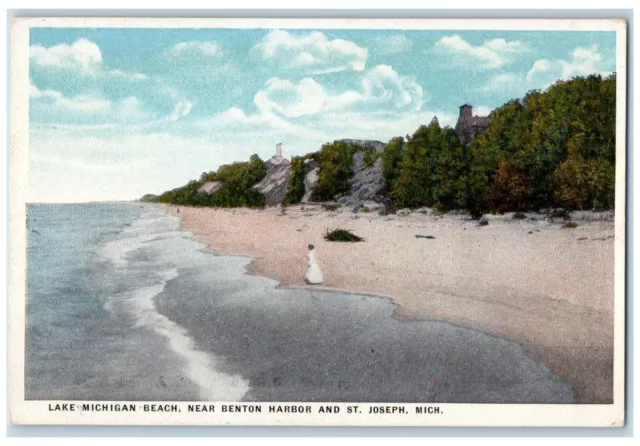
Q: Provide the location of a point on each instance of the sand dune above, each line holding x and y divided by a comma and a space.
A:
533, 282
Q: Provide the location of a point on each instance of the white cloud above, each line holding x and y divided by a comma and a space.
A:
583, 62
310, 53
196, 48
79, 103
235, 123
307, 97
384, 86
82, 55
381, 88
506, 47
398, 43
544, 72
492, 54
386, 104
77, 88
35, 92
53, 106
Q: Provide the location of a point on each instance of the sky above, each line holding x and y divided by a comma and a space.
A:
118, 113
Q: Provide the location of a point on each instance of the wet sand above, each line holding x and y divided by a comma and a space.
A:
302, 344
548, 288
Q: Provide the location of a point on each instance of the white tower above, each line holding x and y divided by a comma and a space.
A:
279, 157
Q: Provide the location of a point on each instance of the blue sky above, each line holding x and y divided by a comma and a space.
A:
117, 113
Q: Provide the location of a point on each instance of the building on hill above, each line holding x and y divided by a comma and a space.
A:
279, 157
468, 126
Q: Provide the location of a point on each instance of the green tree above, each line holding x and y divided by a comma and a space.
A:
391, 157
432, 170
296, 188
515, 165
335, 170
583, 183
452, 174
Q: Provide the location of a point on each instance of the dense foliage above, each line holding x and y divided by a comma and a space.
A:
555, 148
335, 170
552, 149
431, 171
296, 189
236, 190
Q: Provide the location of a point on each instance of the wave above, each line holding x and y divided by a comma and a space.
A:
154, 246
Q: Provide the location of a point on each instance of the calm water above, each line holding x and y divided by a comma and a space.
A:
123, 305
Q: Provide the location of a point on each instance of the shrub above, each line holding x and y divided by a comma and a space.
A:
330, 207
342, 235
570, 225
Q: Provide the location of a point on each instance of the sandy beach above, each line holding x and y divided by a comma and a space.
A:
531, 281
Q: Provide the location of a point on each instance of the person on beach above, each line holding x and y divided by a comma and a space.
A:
314, 275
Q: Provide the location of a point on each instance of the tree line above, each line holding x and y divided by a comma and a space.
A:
553, 148
236, 189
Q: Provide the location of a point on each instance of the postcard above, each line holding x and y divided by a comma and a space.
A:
340, 222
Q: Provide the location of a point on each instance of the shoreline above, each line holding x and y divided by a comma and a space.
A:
560, 311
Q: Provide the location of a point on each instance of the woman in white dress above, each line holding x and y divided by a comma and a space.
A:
314, 275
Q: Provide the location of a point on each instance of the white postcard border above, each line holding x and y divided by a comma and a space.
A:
38, 412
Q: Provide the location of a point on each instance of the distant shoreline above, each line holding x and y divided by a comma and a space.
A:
546, 287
